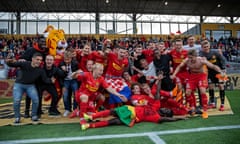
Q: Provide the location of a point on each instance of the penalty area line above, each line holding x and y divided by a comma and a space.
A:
154, 136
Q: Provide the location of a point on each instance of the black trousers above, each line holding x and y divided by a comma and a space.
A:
51, 89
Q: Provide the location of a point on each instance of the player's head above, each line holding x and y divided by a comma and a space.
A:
205, 45
40, 45
97, 69
165, 112
178, 44
191, 40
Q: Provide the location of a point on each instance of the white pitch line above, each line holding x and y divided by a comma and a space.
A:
151, 135
156, 139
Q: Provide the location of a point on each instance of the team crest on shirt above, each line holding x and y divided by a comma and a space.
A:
213, 59
116, 66
91, 88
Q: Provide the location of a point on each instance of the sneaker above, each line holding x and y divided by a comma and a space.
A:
35, 119
57, 111
82, 121
26, 114
191, 112
87, 117
204, 115
212, 106
17, 121
74, 114
221, 108
53, 114
66, 113
85, 126
198, 111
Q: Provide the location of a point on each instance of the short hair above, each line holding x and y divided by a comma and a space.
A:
161, 43
50, 56
178, 40
67, 54
37, 54
135, 84
139, 46
190, 36
165, 112
204, 42
142, 79
156, 51
192, 52
97, 65
121, 47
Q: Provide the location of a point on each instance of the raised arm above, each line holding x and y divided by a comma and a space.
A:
212, 66
179, 68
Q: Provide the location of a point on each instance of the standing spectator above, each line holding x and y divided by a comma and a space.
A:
40, 47
68, 65
25, 82
52, 72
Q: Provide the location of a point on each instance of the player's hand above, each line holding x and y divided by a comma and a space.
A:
172, 76
123, 98
21, 60
53, 79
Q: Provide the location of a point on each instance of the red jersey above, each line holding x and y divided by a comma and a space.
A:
82, 60
148, 53
147, 114
58, 59
89, 85
140, 98
115, 66
178, 57
98, 58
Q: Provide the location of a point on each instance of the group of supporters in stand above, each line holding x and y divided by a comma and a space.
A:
150, 84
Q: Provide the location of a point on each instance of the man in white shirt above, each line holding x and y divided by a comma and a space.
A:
191, 44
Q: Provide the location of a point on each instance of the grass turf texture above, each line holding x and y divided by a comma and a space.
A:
73, 130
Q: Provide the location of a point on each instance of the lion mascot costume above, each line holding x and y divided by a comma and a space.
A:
55, 39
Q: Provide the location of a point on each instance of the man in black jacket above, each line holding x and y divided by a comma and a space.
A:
29, 73
52, 71
38, 46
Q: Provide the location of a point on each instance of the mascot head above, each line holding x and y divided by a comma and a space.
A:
54, 39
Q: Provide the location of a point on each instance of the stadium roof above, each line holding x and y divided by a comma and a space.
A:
173, 7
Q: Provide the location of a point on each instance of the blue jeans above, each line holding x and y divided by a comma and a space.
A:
18, 91
71, 85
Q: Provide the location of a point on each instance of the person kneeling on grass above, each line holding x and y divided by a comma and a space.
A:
128, 115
